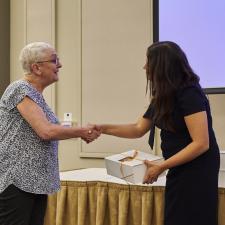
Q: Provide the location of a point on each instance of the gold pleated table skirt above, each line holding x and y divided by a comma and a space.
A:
106, 203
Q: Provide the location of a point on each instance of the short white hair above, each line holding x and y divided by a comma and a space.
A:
32, 53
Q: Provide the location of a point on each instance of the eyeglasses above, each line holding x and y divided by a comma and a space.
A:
55, 61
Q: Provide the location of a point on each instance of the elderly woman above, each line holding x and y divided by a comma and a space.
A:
29, 134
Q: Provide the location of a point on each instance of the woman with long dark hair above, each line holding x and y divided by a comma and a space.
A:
181, 110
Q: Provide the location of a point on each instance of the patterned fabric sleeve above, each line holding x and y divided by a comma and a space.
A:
16, 92
14, 95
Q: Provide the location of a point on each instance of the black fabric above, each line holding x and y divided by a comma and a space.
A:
191, 196
149, 114
21, 208
152, 136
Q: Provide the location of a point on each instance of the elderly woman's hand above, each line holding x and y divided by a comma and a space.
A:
152, 172
90, 133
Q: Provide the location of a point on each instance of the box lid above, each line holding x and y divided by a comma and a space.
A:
133, 157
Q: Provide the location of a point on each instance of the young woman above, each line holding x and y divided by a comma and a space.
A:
181, 110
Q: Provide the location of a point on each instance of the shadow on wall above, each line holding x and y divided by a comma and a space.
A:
4, 45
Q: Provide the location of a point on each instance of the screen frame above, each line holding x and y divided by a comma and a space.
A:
217, 90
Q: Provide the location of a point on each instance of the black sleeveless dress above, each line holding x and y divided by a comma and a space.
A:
191, 193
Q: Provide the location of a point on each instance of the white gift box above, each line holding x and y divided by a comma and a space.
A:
222, 160
129, 165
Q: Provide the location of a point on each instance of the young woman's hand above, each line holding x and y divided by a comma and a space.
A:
152, 172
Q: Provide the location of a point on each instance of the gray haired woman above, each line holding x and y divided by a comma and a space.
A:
29, 134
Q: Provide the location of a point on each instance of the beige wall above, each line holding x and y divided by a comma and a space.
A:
99, 54
4, 44
101, 44
31, 20
218, 114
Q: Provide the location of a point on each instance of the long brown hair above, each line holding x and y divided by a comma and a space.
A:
167, 71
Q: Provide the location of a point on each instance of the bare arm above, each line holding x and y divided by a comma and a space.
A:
135, 130
198, 129
35, 116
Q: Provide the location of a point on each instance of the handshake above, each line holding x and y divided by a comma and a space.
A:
90, 132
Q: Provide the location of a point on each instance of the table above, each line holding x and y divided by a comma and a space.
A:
91, 197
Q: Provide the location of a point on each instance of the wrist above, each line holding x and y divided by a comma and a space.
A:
163, 166
102, 128
80, 132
